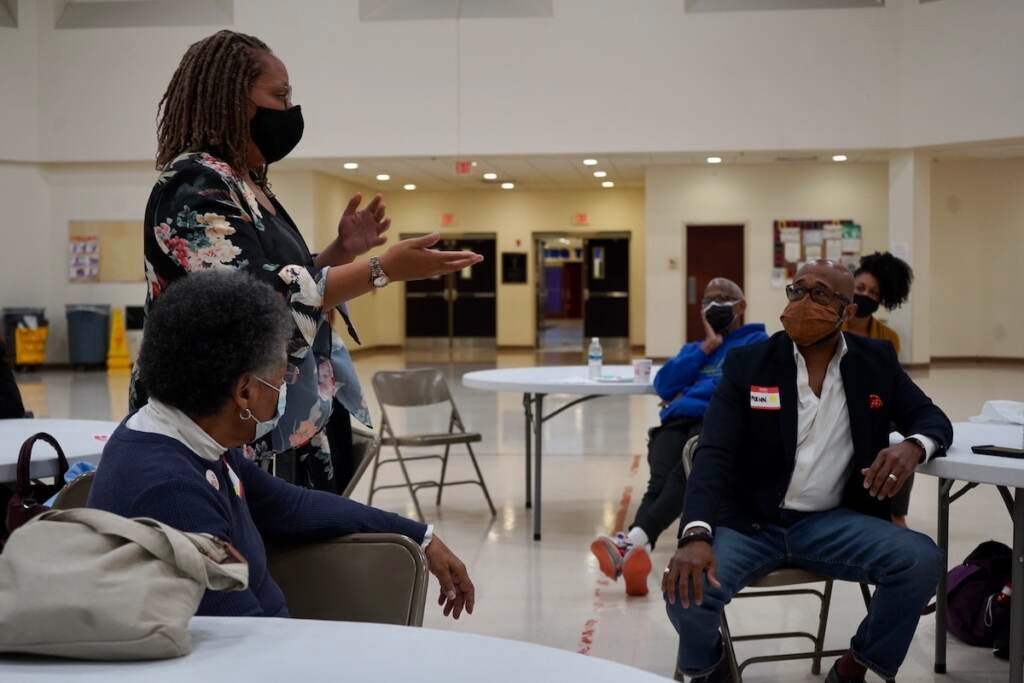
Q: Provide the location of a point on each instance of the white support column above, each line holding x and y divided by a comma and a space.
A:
910, 239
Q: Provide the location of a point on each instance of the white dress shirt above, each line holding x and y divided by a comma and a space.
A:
824, 442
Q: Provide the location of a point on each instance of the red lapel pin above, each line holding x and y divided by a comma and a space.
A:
875, 402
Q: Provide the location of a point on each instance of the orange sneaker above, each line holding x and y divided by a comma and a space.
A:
609, 552
636, 566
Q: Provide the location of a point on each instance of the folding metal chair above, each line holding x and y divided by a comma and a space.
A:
779, 584
416, 389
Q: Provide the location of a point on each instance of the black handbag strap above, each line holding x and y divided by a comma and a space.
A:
23, 486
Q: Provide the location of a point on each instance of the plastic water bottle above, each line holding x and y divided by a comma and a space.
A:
594, 358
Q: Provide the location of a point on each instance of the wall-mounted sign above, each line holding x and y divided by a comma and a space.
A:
513, 267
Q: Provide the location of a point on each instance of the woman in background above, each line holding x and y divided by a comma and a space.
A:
882, 280
226, 115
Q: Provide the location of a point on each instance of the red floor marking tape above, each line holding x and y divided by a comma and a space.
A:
589, 631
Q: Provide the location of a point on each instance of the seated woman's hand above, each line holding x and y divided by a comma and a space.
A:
413, 259
457, 591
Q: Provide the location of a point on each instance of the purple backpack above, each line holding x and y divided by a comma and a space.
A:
973, 588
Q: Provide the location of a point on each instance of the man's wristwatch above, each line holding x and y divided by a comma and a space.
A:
695, 535
378, 278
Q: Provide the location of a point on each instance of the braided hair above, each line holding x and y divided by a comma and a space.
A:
894, 276
205, 106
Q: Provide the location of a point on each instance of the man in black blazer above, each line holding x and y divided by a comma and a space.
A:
794, 468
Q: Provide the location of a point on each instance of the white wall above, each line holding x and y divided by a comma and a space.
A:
977, 251
18, 85
38, 205
598, 76
755, 196
960, 71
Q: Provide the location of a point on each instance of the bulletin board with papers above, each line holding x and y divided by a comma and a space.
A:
797, 242
105, 251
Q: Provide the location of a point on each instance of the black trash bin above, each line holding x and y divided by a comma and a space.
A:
88, 334
26, 317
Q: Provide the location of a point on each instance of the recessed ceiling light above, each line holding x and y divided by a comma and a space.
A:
590, 162
351, 166
508, 186
838, 157
600, 174
607, 183
383, 176
490, 176
409, 186
714, 160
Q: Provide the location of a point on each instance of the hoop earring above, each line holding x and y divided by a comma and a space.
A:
247, 415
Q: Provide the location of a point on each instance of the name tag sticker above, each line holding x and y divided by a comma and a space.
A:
765, 398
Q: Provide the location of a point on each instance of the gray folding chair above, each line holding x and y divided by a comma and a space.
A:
380, 578
416, 389
74, 494
778, 584
364, 447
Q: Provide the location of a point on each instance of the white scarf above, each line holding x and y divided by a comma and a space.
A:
159, 418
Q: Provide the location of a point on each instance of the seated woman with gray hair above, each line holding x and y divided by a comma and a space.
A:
214, 363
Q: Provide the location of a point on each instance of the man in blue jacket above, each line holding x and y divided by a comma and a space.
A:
685, 385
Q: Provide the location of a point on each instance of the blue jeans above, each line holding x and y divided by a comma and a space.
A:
842, 544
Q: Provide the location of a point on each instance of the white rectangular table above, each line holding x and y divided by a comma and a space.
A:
80, 440
538, 382
960, 464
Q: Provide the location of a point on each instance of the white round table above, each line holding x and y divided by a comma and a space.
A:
252, 649
960, 464
534, 384
80, 440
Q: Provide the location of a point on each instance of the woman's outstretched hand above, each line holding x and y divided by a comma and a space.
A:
359, 231
414, 259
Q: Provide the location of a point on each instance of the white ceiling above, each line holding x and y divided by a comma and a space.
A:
551, 172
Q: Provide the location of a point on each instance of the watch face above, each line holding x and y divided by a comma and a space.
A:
380, 281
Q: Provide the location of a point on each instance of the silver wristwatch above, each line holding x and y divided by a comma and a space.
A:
378, 278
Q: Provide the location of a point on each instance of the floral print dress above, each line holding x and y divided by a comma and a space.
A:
202, 215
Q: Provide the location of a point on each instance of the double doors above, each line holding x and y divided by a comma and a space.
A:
582, 289
460, 306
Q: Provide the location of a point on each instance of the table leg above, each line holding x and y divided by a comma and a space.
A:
538, 428
940, 594
1017, 603
527, 413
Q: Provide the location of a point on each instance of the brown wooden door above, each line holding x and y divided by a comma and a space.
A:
572, 289
711, 251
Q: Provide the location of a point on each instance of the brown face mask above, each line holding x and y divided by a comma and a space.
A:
808, 322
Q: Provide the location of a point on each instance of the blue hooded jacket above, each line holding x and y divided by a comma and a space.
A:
687, 381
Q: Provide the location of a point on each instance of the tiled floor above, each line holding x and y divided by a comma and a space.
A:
551, 592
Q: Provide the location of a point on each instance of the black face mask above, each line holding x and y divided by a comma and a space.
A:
276, 131
865, 305
719, 316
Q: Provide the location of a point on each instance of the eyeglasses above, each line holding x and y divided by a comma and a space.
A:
819, 294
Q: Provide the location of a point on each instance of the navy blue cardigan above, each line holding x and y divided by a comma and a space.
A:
151, 475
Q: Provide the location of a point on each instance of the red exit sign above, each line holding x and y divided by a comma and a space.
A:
463, 167
580, 219
447, 220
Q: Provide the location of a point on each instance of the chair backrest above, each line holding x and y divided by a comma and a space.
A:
364, 446
410, 388
688, 449
380, 578
75, 494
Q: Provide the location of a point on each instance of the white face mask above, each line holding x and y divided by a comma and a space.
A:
265, 427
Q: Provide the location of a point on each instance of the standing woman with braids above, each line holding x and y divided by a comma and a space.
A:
226, 115
882, 279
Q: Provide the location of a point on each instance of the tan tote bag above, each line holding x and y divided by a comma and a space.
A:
89, 584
